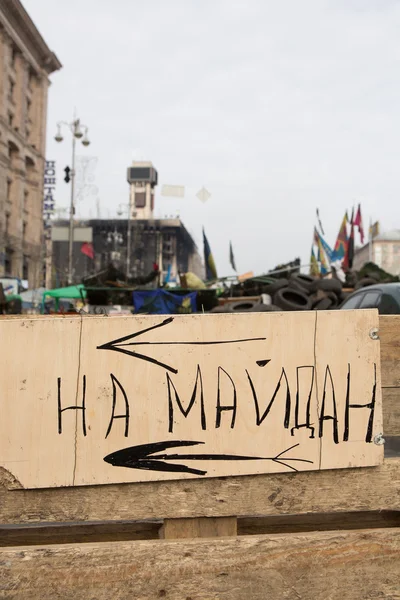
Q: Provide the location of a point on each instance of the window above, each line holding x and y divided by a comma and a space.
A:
390, 304
24, 228
378, 256
7, 223
10, 119
371, 299
8, 261
25, 263
9, 186
31, 79
26, 200
140, 199
14, 53
353, 302
11, 89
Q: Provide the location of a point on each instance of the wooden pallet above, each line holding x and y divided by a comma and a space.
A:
311, 535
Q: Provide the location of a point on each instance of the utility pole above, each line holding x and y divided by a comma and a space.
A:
128, 238
76, 129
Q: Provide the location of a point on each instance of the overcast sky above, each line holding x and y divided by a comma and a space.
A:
276, 107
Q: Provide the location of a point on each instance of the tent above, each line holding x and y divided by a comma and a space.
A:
33, 297
72, 292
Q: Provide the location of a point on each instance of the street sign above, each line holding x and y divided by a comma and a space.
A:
93, 400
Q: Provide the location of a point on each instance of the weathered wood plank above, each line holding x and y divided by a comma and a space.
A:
389, 333
113, 531
335, 565
76, 533
318, 522
375, 488
203, 527
391, 411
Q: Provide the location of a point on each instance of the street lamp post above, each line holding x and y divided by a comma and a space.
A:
76, 128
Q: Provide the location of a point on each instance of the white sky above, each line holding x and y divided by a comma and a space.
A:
276, 107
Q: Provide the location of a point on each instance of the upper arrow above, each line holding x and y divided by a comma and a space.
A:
142, 457
120, 344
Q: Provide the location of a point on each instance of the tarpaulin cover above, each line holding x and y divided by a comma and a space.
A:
161, 302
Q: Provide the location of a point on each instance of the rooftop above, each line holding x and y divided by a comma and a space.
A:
389, 236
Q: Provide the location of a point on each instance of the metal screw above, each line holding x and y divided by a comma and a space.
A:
379, 440
374, 334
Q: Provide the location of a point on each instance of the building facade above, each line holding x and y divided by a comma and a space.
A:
165, 242
383, 250
142, 178
25, 65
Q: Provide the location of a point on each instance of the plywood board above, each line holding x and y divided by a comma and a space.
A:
154, 398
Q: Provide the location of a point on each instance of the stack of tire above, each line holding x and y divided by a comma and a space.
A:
300, 292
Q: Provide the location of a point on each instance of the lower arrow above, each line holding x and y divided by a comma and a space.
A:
142, 457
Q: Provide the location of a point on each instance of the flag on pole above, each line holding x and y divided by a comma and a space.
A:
349, 256
327, 249
374, 230
358, 222
314, 268
211, 271
87, 249
319, 223
231, 257
323, 257
340, 249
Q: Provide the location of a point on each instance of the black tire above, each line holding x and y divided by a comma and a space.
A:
224, 308
295, 284
334, 298
243, 305
272, 288
323, 304
327, 285
291, 299
364, 282
265, 308
304, 281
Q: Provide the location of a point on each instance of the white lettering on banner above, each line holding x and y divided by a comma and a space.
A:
148, 398
48, 191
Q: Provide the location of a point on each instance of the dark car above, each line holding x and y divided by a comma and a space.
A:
384, 296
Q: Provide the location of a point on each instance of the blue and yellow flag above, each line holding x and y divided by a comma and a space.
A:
324, 253
314, 268
211, 271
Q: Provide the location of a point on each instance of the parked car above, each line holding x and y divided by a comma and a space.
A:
383, 296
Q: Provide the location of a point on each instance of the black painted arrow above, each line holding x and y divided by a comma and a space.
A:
120, 344
142, 457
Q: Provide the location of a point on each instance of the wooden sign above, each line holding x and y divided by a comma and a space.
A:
96, 400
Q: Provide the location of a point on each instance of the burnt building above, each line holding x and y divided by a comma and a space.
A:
101, 242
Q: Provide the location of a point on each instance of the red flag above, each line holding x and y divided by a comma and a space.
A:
358, 222
87, 249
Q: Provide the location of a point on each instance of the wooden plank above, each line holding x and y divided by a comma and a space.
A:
112, 531
375, 488
190, 397
78, 533
318, 522
389, 333
391, 411
350, 565
203, 527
